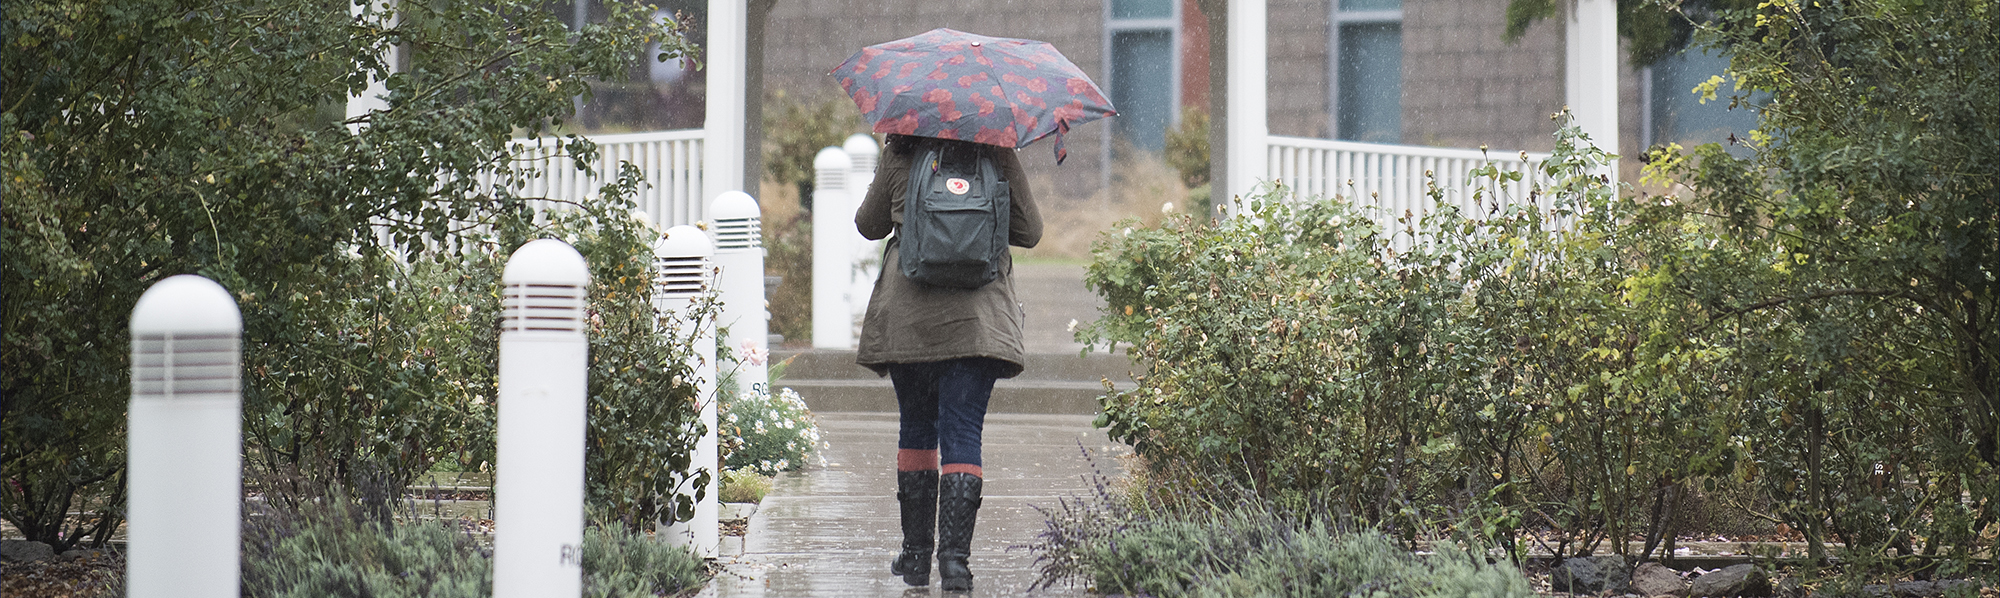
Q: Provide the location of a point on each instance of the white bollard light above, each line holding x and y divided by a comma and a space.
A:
739, 261
861, 148
185, 440
544, 380
681, 263
866, 258
833, 224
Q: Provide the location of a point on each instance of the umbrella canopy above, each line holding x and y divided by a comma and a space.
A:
957, 85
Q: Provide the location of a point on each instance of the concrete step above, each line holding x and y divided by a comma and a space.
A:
1064, 383
838, 364
1009, 396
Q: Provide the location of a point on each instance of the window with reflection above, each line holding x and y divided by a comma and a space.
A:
1674, 113
1367, 62
1140, 48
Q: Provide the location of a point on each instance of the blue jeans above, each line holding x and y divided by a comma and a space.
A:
943, 406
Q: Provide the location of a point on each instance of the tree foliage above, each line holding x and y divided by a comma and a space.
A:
1857, 262
1653, 29
797, 130
145, 138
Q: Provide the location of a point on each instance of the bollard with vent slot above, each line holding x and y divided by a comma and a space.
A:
185, 437
866, 258
538, 484
681, 261
739, 278
833, 224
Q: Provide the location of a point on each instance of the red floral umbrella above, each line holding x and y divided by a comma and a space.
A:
957, 85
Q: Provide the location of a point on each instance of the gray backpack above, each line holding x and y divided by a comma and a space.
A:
955, 219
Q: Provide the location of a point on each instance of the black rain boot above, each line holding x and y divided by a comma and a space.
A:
918, 493
958, 510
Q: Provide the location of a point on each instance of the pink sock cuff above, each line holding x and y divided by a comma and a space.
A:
916, 460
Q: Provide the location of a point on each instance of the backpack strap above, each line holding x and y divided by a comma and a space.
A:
925, 153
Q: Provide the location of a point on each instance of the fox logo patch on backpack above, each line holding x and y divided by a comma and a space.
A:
955, 220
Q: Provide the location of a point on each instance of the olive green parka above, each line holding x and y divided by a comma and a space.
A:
910, 322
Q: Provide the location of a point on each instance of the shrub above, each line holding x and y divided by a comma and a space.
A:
621, 563
643, 404
386, 368
1187, 148
1850, 270
788, 255
1460, 369
390, 368
337, 547
1573, 362
769, 433
1247, 547
795, 129
744, 484
223, 117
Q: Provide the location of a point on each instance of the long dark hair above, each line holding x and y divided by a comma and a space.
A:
901, 145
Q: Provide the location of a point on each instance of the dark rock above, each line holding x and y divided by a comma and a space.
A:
1732, 581
21, 551
1654, 579
1874, 590
1592, 575
1790, 586
1915, 589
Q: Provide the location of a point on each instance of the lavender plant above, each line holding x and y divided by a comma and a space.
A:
339, 547
1228, 542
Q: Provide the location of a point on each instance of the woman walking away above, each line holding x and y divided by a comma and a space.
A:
942, 343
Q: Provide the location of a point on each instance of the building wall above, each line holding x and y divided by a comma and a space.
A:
807, 38
1465, 86
1299, 77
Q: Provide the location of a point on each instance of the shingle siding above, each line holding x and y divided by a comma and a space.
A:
1297, 91
1464, 86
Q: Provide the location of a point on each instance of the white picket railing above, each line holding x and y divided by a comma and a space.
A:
1392, 177
1389, 177
671, 162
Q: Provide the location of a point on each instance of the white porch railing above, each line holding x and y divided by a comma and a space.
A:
670, 160
1392, 177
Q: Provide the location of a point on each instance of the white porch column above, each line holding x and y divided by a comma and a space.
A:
1249, 131
727, 53
1591, 72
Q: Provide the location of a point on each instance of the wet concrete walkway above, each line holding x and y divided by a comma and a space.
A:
830, 531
